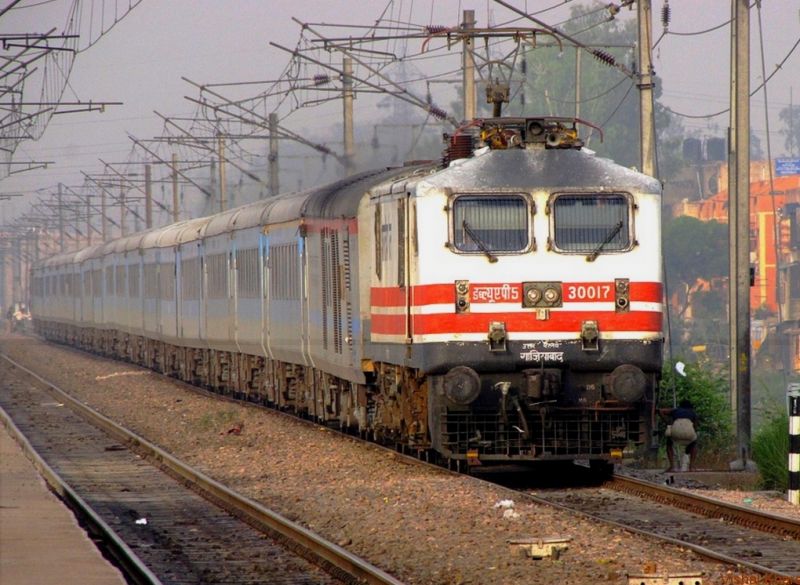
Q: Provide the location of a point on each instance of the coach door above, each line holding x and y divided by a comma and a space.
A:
391, 297
402, 263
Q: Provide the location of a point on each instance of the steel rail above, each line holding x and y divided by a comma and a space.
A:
700, 550
676, 498
130, 564
321, 551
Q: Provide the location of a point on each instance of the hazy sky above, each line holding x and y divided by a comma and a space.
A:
140, 62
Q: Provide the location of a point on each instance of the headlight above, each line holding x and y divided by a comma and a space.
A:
462, 385
551, 295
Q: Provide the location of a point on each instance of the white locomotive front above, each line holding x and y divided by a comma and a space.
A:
523, 283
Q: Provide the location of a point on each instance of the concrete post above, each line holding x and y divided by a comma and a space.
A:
739, 231
347, 111
468, 66
793, 494
646, 130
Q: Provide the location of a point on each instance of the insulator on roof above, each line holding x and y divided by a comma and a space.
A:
666, 14
433, 29
604, 57
437, 112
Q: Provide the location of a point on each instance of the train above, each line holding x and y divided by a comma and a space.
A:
501, 305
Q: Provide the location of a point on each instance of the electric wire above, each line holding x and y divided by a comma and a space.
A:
42, 3
763, 84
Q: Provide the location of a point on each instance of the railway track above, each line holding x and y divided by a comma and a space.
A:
156, 524
767, 544
763, 542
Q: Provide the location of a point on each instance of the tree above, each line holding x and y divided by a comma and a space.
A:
756, 152
694, 249
790, 116
697, 251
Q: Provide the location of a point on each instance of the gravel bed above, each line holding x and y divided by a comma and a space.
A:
423, 525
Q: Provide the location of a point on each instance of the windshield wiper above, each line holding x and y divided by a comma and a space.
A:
481, 246
611, 235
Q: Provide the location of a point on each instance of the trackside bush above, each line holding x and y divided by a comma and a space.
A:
708, 391
770, 450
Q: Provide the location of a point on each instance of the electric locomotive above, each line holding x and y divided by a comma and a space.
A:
523, 284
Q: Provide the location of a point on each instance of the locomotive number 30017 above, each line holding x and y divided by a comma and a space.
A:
588, 292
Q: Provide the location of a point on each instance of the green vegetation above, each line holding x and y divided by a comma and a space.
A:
770, 450
708, 391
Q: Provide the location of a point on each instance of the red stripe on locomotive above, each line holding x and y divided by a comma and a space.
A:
559, 321
435, 294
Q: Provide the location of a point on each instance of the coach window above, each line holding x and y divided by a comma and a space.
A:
491, 223
591, 223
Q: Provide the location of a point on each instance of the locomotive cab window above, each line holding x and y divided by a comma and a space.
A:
491, 223
591, 223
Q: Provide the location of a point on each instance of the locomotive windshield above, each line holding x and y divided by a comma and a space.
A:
490, 223
589, 224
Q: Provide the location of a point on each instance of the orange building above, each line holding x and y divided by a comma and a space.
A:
779, 198
766, 201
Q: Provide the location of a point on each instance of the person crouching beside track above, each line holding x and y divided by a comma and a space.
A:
681, 430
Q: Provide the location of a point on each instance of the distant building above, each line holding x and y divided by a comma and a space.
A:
774, 211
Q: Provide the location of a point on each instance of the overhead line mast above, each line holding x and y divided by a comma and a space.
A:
739, 230
647, 134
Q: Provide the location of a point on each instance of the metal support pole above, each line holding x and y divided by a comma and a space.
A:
122, 210
578, 52
104, 213
347, 110
4, 281
16, 269
148, 197
174, 188
76, 225
60, 220
739, 232
793, 494
88, 220
646, 130
274, 178
221, 157
28, 265
468, 66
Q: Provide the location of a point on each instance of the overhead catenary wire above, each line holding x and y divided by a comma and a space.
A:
763, 84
